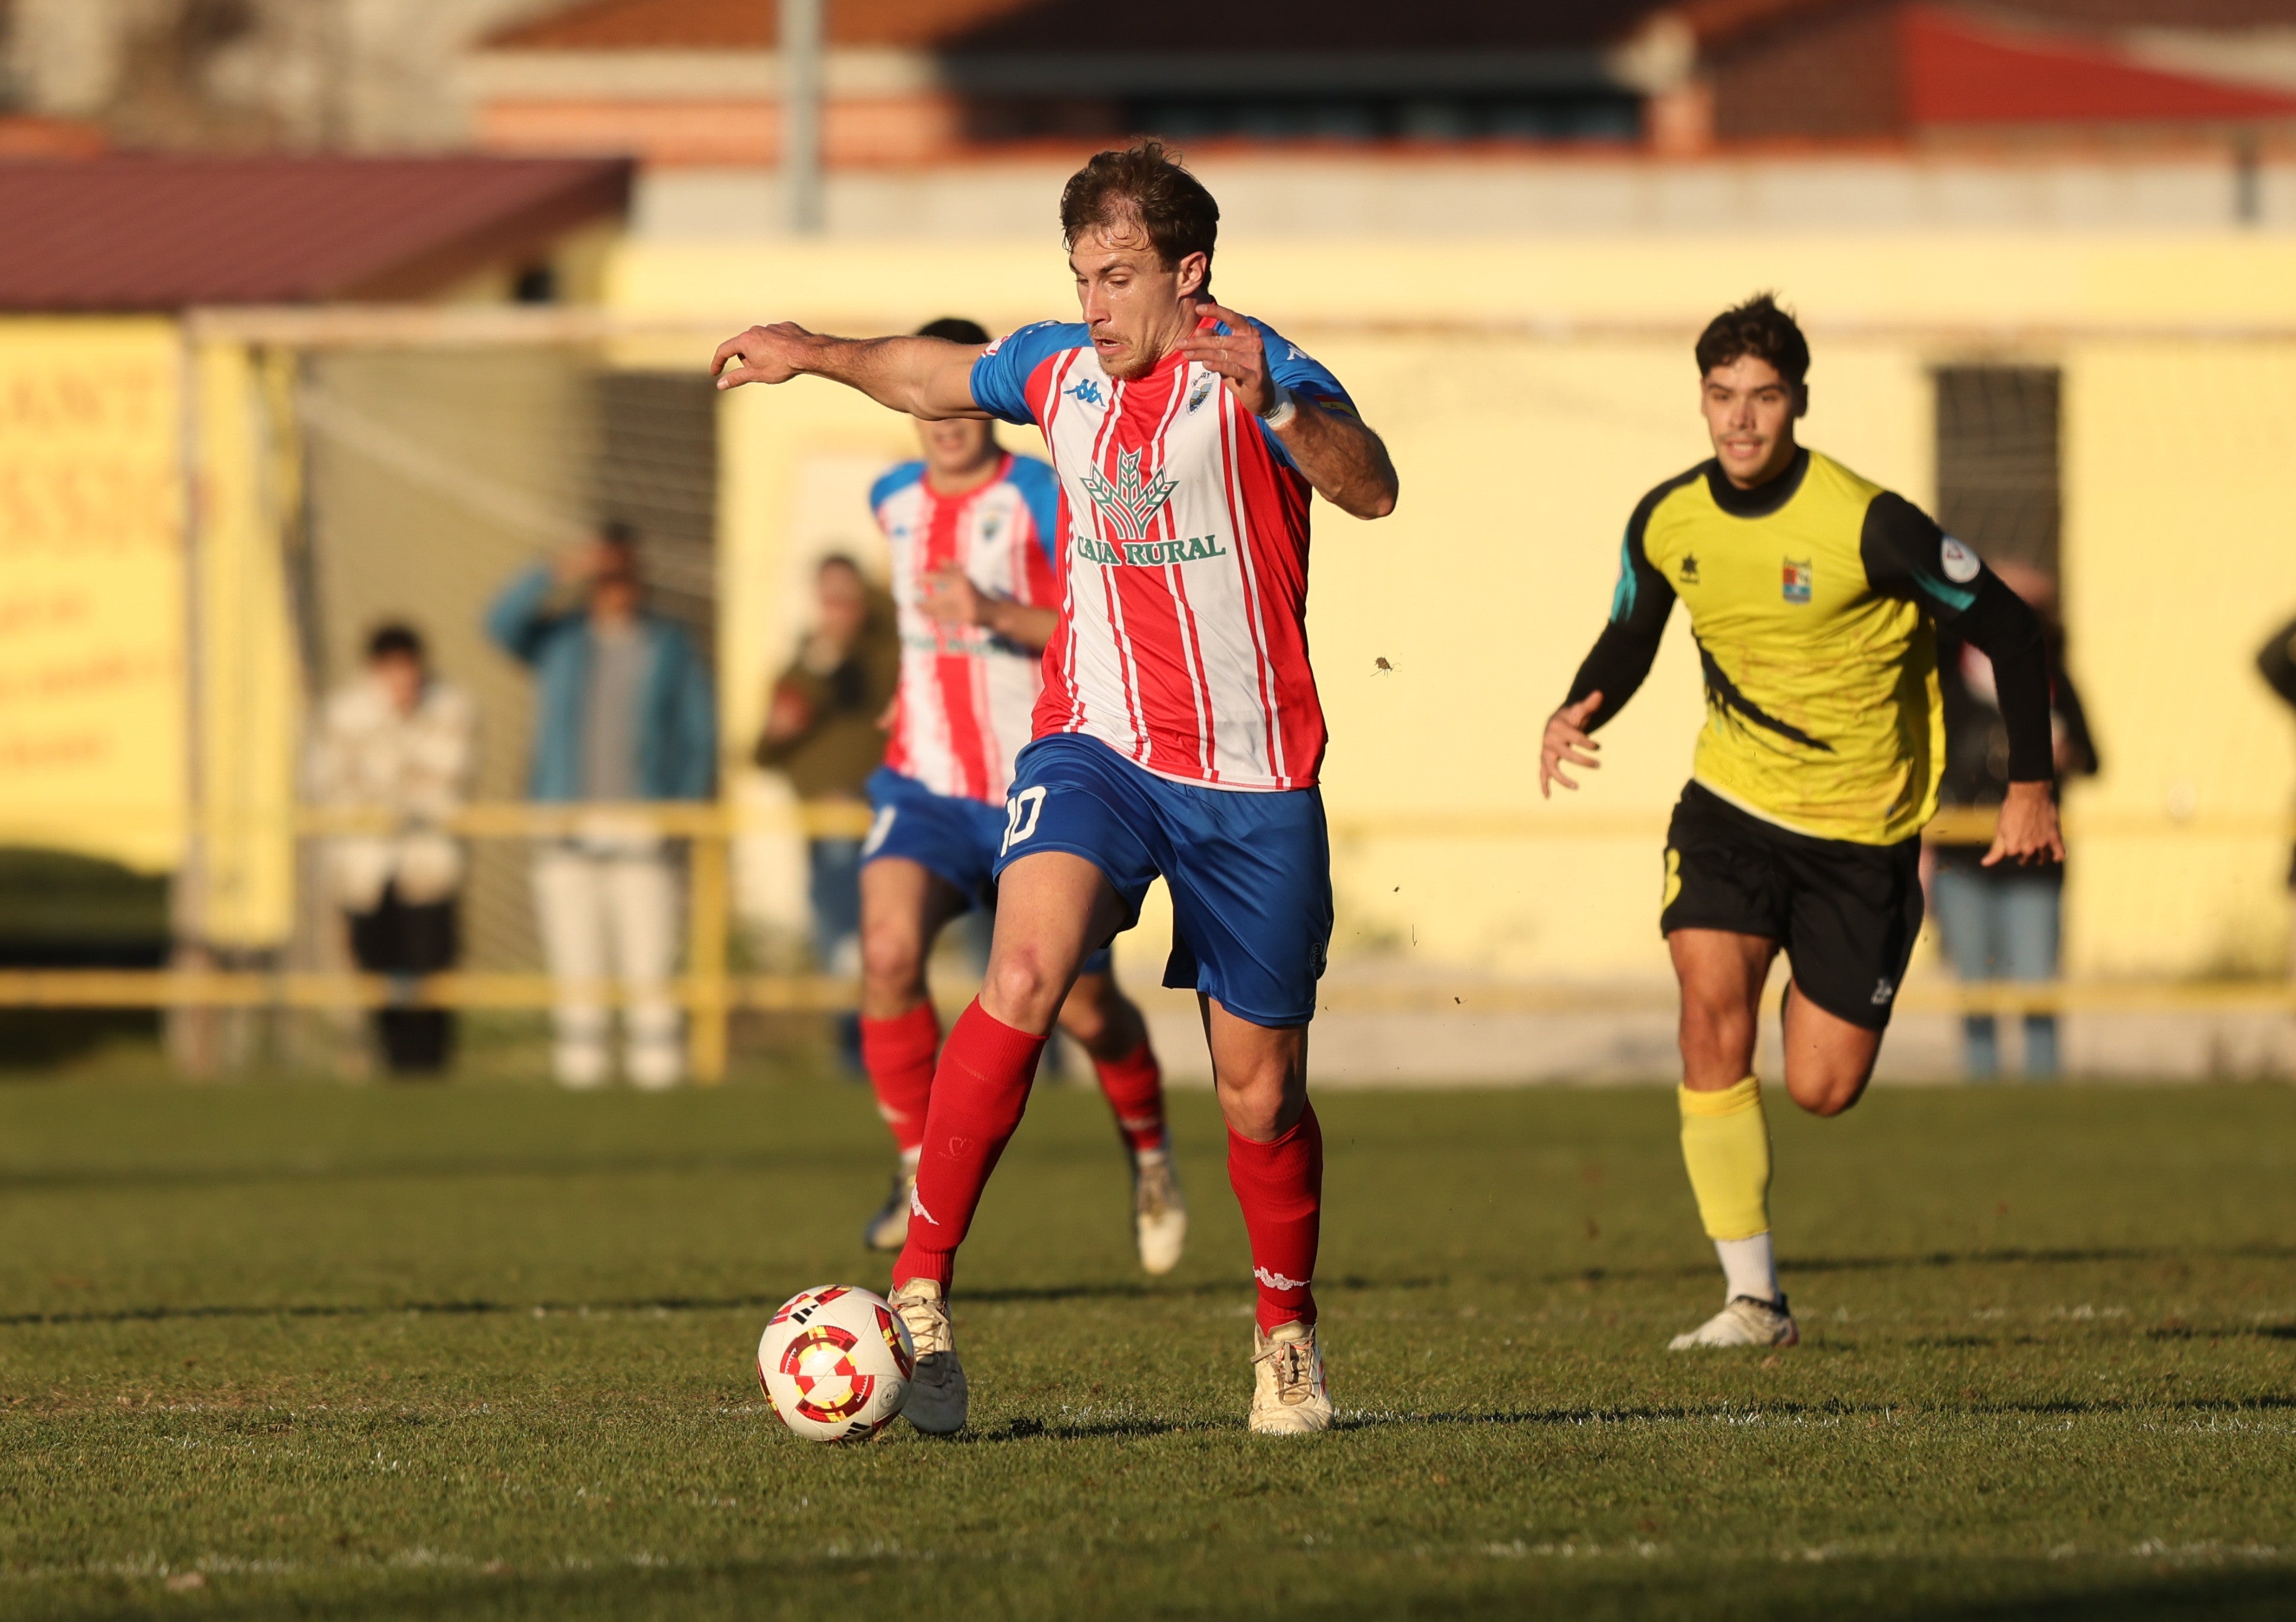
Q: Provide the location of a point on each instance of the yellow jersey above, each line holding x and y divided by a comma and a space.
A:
1814, 599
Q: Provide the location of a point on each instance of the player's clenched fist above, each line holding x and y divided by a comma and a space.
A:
1567, 740
767, 355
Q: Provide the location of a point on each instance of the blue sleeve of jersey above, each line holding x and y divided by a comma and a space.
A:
1000, 378
1040, 488
894, 482
1304, 375
1301, 373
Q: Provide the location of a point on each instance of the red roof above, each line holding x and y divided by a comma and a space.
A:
1962, 71
133, 233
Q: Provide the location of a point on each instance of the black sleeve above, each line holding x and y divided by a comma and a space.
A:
2277, 662
1639, 605
2080, 741
1908, 557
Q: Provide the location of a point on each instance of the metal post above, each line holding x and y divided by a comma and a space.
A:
708, 918
802, 98
2247, 179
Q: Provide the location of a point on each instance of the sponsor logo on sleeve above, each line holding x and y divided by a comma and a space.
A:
1960, 563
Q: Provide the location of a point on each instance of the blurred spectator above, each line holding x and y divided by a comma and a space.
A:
2277, 662
825, 729
398, 740
2002, 922
623, 713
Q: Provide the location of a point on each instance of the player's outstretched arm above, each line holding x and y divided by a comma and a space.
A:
1568, 742
1907, 556
1613, 670
1345, 463
924, 377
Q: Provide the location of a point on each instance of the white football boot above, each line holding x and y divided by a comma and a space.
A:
888, 1229
1288, 1397
1160, 1211
1746, 1321
936, 1402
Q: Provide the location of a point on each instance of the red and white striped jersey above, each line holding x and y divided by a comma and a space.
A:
967, 698
1183, 559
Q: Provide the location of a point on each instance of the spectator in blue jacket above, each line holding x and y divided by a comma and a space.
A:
623, 714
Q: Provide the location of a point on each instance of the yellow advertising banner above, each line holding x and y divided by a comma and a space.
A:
92, 505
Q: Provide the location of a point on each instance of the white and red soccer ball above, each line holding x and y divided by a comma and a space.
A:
835, 1364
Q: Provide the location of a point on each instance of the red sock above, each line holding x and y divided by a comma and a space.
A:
977, 1096
898, 1054
1280, 1185
1135, 1086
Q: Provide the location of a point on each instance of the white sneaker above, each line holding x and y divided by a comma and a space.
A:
1746, 1321
936, 1402
1160, 1211
1288, 1397
888, 1229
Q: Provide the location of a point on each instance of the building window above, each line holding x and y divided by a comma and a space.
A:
1997, 462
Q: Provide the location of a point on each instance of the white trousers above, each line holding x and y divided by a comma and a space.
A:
611, 912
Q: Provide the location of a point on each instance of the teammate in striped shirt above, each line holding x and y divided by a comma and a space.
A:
971, 528
1179, 736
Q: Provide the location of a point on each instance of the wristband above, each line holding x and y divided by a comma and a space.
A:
1280, 414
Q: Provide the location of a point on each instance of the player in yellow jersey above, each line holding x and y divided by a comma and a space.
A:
1814, 596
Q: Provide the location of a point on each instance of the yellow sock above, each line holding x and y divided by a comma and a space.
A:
1726, 1143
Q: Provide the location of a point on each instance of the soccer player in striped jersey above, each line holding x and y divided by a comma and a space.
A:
971, 528
1179, 735
1814, 596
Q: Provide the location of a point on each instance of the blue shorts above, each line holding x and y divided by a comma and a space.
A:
952, 837
1251, 873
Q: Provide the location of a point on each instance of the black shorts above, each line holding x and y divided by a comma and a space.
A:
1846, 913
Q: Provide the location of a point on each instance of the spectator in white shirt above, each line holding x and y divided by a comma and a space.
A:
398, 740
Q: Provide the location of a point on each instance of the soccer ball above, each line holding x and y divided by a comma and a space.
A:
835, 1364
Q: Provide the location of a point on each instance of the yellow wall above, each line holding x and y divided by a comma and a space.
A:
92, 589
1521, 457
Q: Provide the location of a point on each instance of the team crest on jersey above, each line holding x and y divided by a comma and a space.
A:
1799, 578
1202, 392
1086, 392
1129, 506
992, 525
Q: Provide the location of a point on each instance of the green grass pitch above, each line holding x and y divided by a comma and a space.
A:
280, 1350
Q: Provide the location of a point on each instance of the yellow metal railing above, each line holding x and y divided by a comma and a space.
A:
710, 993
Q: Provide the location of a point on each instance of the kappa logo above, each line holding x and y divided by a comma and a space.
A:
1202, 392
1086, 392
1276, 1280
917, 1208
1885, 989
1129, 506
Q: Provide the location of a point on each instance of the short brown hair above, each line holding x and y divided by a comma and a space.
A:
1761, 329
1144, 183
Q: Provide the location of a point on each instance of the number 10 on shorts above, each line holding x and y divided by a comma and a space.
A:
1020, 813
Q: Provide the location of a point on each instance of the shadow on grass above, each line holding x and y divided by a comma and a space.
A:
1336, 1590
2011, 1256
1831, 1411
1132, 1289
780, 1162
